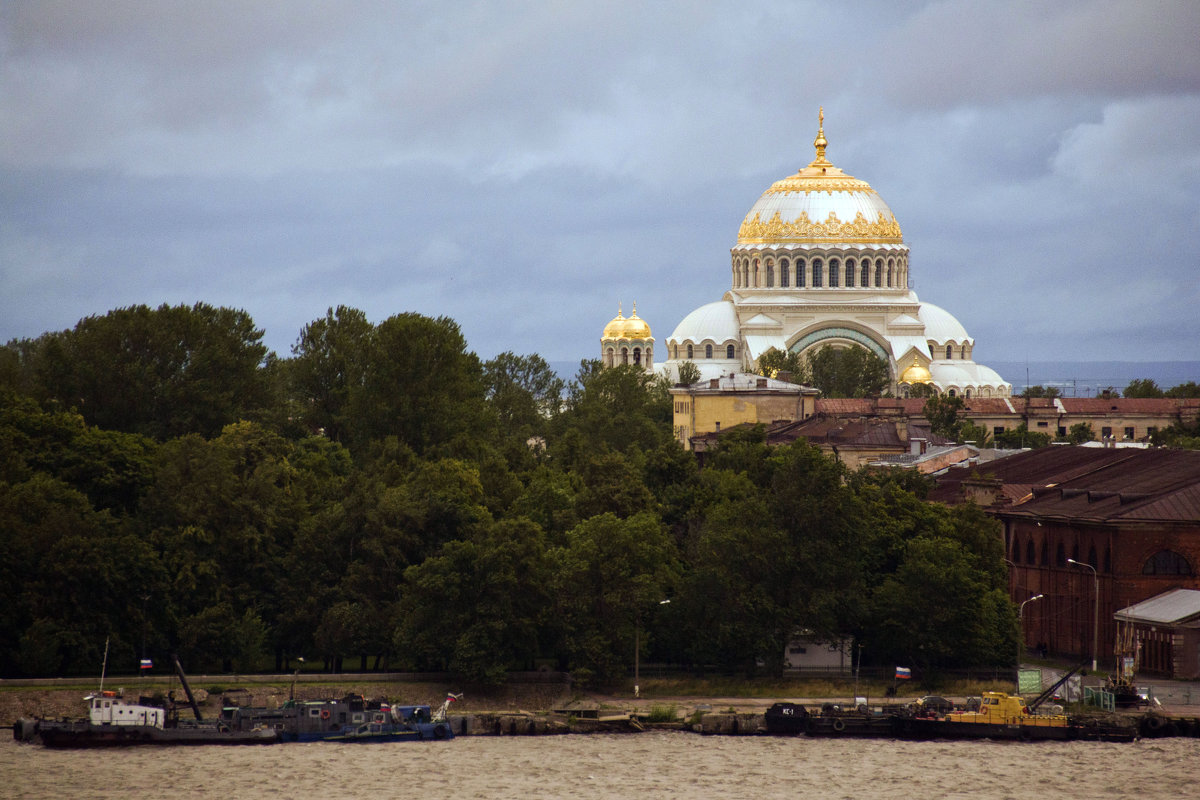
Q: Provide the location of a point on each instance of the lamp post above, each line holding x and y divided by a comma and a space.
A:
1096, 612
637, 649
1021, 635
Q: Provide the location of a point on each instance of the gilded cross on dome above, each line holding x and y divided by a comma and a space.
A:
820, 142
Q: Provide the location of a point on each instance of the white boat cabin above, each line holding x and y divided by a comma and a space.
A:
105, 709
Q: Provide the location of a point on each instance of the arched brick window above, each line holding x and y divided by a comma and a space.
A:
1166, 562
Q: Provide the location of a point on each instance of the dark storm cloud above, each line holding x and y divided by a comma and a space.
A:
522, 167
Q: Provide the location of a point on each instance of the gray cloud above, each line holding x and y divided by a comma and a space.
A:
522, 167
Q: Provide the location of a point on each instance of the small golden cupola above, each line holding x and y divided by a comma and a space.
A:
915, 374
627, 340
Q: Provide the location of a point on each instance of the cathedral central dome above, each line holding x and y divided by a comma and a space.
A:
820, 203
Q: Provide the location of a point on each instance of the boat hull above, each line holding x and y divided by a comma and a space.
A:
83, 734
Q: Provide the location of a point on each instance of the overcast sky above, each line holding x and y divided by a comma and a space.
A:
522, 167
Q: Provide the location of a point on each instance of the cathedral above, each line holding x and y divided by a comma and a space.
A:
819, 260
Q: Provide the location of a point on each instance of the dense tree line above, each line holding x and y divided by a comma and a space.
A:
384, 495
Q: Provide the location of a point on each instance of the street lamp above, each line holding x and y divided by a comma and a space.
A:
1096, 613
1021, 635
637, 647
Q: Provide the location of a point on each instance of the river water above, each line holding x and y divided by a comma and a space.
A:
650, 765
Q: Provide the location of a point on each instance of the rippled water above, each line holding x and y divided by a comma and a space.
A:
650, 765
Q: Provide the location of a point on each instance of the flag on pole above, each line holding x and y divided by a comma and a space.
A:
147, 663
903, 673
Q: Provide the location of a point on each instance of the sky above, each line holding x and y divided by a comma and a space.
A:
523, 167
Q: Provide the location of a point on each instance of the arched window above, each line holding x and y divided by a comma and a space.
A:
1030, 552
756, 276
850, 273
729, 351
624, 355
818, 268
1166, 562
637, 355
949, 352
1060, 556
783, 273
952, 393
967, 394
801, 269
745, 273
608, 357
891, 268
879, 273
834, 273
708, 351
865, 278
690, 356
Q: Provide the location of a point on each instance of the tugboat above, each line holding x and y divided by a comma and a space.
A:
352, 718
112, 722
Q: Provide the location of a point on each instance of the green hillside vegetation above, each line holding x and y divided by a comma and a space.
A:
384, 498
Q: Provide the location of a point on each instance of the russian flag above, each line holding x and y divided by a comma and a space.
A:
147, 663
903, 673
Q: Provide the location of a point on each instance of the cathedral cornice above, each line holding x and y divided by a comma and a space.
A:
802, 229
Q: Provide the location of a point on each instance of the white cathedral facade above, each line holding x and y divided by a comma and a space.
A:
819, 260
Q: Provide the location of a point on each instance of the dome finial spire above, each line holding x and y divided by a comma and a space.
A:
820, 143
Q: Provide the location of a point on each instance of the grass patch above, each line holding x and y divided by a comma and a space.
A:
665, 713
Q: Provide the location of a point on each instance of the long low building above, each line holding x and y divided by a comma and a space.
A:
1092, 530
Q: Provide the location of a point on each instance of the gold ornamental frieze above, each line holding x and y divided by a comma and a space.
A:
803, 229
817, 183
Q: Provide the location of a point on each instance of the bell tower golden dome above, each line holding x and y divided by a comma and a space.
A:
627, 340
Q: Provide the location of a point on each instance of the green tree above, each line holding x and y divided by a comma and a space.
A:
329, 364
523, 391
1041, 392
1081, 432
776, 361
421, 386
478, 607
1184, 390
970, 432
689, 373
1021, 437
611, 573
160, 372
1143, 387
848, 372
944, 413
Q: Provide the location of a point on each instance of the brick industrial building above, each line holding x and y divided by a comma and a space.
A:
1131, 515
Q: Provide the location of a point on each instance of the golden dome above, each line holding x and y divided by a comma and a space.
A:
616, 328
820, 203
636, 327
915, 374
622, 327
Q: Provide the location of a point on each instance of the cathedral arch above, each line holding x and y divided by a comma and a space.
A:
822, 335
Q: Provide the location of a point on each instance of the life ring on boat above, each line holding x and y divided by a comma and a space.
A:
324, 713
839, 725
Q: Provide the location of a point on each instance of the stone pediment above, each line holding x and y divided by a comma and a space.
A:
761, 321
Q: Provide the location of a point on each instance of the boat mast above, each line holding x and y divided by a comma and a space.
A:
104, 666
